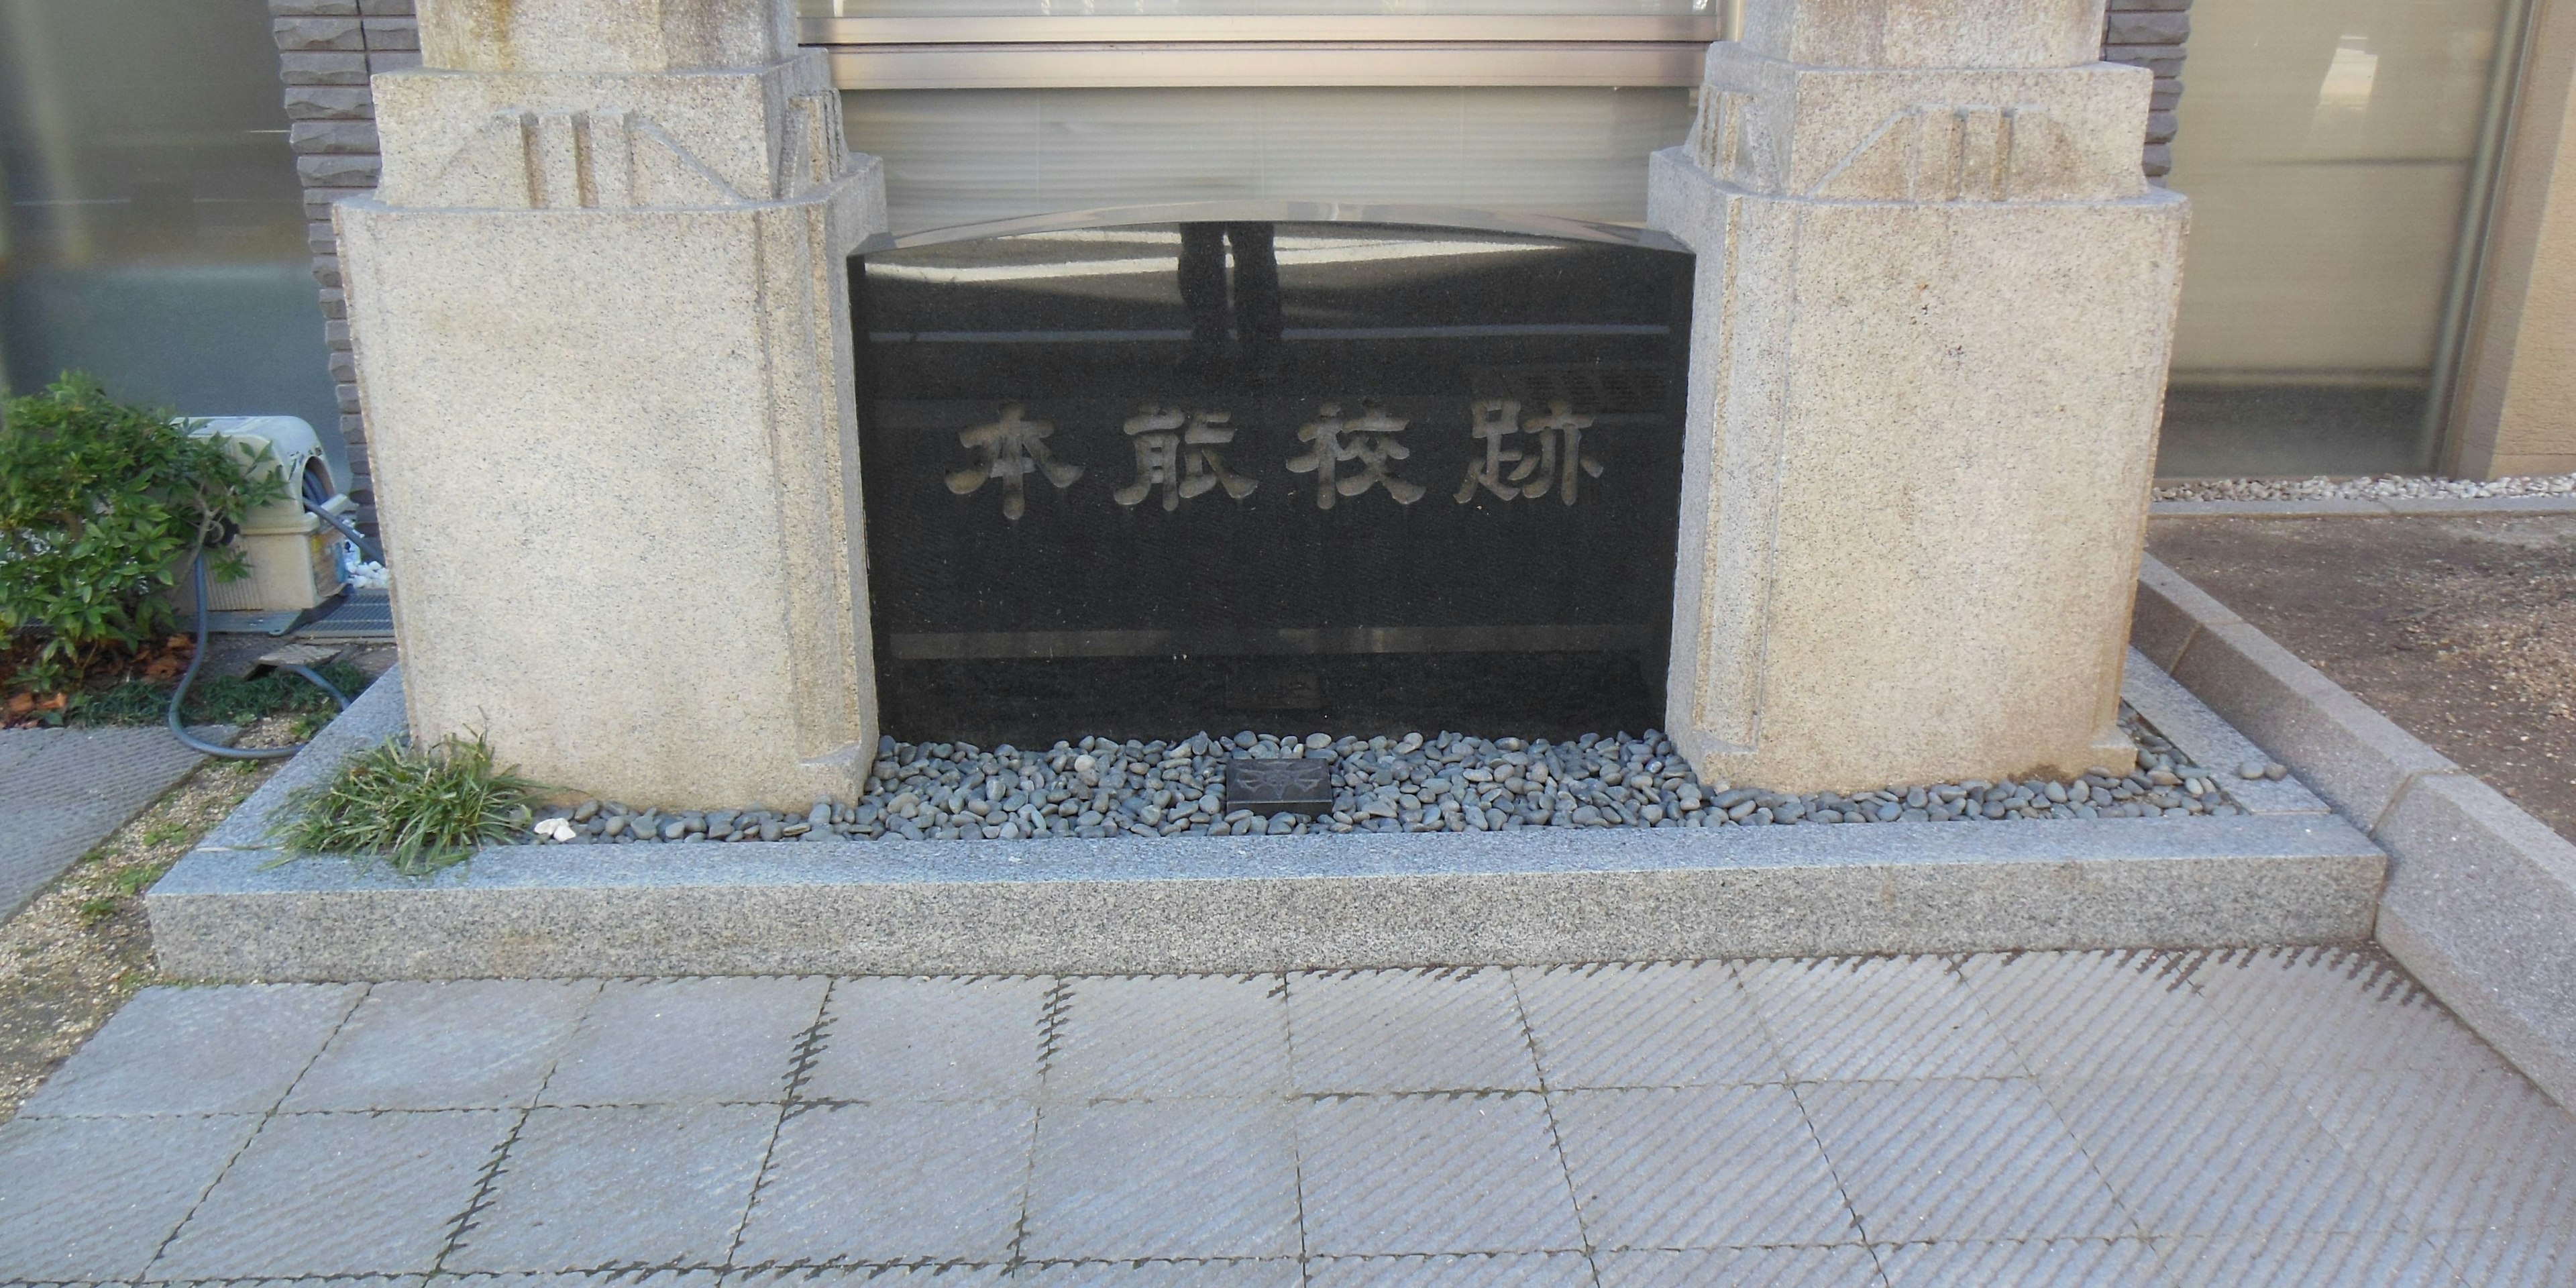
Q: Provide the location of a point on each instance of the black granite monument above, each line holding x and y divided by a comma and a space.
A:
1148, 479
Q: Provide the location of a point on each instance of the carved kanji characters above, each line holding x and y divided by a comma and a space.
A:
1495, 419
1368, 439
1011, 447
1184, 463
1559, 462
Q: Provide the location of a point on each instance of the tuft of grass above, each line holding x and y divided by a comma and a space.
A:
129, 882
219, 699
419, 809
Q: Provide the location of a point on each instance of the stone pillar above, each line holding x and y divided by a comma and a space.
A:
600, 313
1934, 306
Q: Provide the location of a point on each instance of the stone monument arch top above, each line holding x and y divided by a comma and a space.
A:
604, 37
1960, 34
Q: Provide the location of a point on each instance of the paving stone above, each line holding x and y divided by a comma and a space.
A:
2124, 1013
1160, 1037
1968, 1159
1876, 1017
198, 1051
339, 1194
336, 1281
1175, 1178
1419, 1030
1445, 1173
1702, 1167
2021, 1263
19, 747
1663, 1024
621, 1186
2336, 1011
684, 1041
2410, 1153
2507, 1258
944, 1274
2456, 1150
467, 1044
63, 791
930, 1039
1843, 1267
1158, 1274
893, 1182
2282, 1259
624, 1277
95, 1198
2217, 1154
1470, 1270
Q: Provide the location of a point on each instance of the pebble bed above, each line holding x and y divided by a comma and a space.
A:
2375, 488
1449, 783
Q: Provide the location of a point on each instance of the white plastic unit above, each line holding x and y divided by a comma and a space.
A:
295, 558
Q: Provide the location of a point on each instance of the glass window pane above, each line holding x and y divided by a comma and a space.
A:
155, 230
968, 156
1219, 8
2326, 146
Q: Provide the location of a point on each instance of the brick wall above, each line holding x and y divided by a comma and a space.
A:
2150, 34
328, 48
326, 51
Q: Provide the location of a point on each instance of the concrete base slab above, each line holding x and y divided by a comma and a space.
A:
233, 910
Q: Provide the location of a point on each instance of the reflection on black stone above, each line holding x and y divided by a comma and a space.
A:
1255, 356
1558, 696
1221, 445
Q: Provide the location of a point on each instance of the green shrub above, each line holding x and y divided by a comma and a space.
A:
417, 808
101, 505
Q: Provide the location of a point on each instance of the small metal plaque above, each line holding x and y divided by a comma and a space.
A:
1300, 786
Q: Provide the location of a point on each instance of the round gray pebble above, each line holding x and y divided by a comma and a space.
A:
1447, 782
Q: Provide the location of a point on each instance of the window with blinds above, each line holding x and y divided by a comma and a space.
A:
993, 109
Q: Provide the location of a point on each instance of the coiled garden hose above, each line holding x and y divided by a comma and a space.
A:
197, 658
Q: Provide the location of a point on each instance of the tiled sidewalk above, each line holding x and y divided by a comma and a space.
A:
2266, 1117
64, 790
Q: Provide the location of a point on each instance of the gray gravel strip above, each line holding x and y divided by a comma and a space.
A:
1446, 783
2377, 487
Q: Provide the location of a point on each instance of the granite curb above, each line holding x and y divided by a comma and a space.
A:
2363, 507
2481, 897
2289, 872
1225, 904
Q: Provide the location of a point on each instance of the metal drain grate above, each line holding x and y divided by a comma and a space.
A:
366, 617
